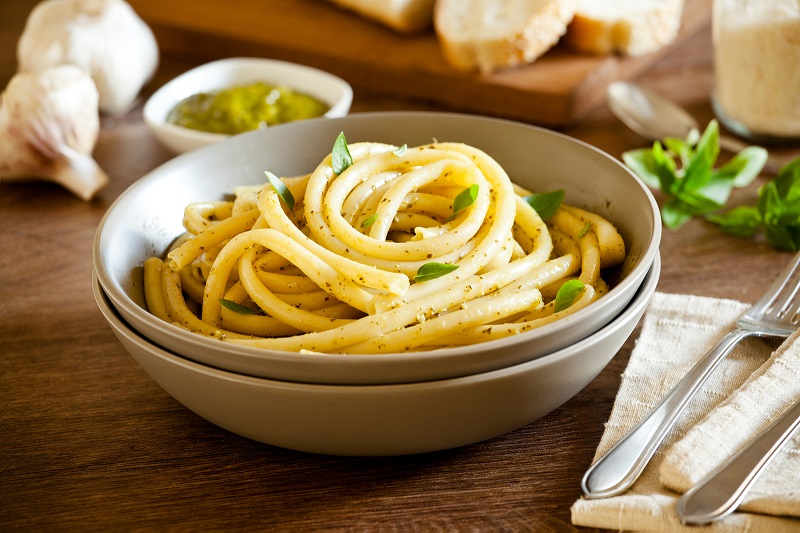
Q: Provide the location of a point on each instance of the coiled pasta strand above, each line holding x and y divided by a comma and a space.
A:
337, 273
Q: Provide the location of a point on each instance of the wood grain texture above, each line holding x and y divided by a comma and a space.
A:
559, 88
89, 442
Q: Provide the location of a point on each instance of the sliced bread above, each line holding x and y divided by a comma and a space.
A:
626, 27
405, 16
489, 35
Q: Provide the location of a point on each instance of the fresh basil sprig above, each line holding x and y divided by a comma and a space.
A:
433, 270
281, 189
340, 155
694, 188
239, 308
464, 199
567, 294
547, 203
777, 211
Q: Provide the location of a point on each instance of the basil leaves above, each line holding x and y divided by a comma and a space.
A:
546, 204
683, 169
777, 211
340, 155
464, 199
695, 188
369, 221
239, 308
567, 294
433, 270
281, 189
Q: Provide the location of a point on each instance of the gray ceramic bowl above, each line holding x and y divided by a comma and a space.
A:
147, 217
390, 419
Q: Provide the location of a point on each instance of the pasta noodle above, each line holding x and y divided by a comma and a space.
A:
381, 249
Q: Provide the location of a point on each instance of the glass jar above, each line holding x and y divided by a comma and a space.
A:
757, 68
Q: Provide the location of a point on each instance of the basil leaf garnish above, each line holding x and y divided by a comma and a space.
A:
340, 155
239, 308
433, 270
546, 203
464, 199
568, 293
281, 189
369, 221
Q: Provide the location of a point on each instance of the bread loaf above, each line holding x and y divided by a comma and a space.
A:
402, 15
488, 35
627, 27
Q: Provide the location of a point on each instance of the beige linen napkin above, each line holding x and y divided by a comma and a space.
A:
677, 330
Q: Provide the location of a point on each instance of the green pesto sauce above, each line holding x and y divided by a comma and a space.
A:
244, 108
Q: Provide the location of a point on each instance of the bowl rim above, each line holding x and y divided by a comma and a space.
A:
639, 301
163, 98
196, 341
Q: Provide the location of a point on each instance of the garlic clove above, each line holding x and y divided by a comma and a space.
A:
80, 174
105, 37
48, 128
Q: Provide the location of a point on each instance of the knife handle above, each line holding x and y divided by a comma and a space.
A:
721, 492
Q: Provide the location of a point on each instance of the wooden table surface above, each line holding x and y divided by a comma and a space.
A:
89, 441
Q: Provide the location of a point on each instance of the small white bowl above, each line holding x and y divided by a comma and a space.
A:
392, 419
226, 73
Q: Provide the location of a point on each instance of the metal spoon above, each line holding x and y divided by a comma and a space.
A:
654, 117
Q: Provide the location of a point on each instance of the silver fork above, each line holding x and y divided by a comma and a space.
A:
776, 314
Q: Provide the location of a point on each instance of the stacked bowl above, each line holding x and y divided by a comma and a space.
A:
391, 403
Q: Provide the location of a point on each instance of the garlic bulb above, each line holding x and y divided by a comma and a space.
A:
48, 127
104, 37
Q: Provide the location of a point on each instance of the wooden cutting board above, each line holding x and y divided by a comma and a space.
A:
558, 89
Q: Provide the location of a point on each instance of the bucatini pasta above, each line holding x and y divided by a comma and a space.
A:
381, 249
